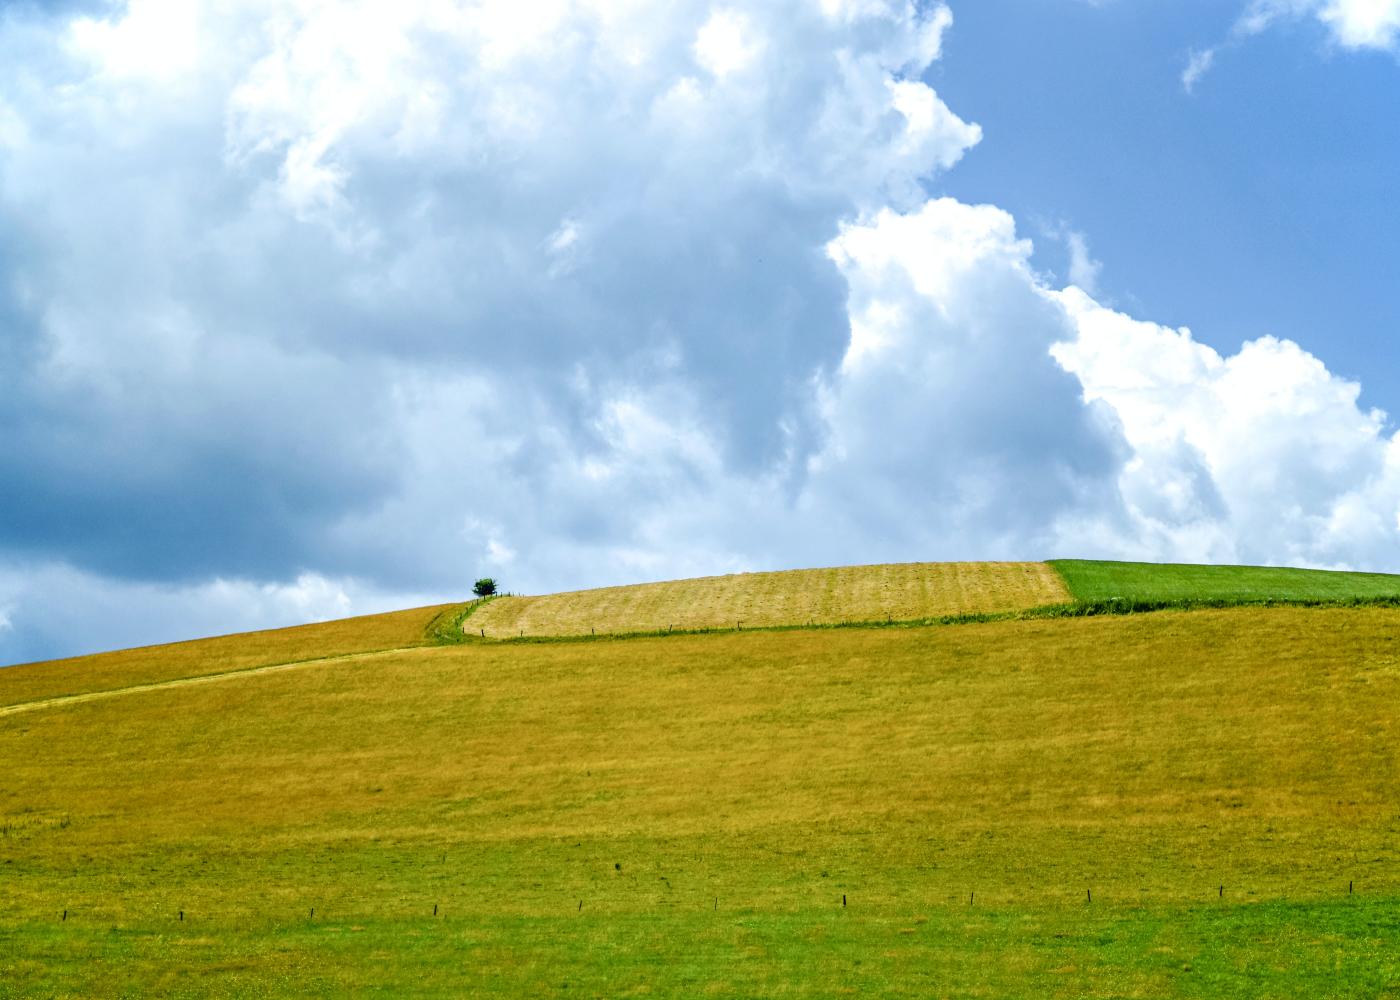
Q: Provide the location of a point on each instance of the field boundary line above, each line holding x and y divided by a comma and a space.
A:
1073, 609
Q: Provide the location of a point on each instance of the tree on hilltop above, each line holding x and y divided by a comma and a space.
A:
484, 587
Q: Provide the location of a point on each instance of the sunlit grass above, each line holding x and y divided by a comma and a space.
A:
150, 664
1095, 581
683, 815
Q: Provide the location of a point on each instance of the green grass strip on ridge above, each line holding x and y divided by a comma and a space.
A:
447, 626
1101, 580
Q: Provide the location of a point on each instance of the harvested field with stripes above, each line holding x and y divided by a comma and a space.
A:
898, 592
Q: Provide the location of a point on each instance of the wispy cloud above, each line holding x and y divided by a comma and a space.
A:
1351, 24
1197, 65
1083, 269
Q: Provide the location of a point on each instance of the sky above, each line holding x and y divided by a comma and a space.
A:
311, 309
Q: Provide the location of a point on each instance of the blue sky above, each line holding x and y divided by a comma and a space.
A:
1263, 203
1260, 203
312, 309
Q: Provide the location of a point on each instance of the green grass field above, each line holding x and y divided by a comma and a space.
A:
683, 815
1093, 581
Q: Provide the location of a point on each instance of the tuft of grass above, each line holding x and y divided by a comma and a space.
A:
1100, 583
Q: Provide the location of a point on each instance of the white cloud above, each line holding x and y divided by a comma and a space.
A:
1083, 268
726, 43
1354, 24
1262, 456
13, 133
1363, 23
156, 40
564, 247
950, 427
1197, 65
1350, 24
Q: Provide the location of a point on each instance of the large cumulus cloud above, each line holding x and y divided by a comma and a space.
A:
239, 229
1263, 456
309, 309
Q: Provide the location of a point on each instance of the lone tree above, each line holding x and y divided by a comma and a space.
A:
484, 587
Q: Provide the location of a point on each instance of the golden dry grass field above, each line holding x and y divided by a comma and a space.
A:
900, 591
222, 654
1169, 804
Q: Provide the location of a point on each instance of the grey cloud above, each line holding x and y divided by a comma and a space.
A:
223, 283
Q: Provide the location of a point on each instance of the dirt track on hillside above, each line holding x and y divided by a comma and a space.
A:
74, 699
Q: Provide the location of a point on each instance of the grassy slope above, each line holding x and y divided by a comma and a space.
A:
1102, 581
148, 664
709, 799
902, 591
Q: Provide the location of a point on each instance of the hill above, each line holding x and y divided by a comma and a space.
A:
1185, 803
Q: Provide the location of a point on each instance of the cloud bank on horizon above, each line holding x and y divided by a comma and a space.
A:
314, 309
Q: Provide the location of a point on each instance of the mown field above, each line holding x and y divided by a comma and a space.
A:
900, 591
1193, 804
